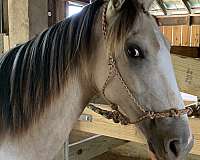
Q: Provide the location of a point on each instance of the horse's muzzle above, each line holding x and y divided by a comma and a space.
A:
169, 138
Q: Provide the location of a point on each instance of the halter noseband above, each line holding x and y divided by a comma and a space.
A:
116, 115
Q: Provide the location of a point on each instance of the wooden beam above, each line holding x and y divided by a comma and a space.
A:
195, 19
187, 6
162, 6
92, 147
173, 20
76, 136
193, 52
88, 146
102, 126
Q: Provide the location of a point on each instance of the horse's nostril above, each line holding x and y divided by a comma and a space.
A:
174, 147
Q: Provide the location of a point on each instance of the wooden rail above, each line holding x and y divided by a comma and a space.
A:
193, 52
182, 35
102, 126
173, 20
85, 146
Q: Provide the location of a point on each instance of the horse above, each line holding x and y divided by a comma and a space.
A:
112, 48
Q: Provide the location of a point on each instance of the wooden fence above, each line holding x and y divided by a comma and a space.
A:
182, 35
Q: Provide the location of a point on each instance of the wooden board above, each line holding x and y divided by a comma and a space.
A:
185, 35
84, 146
182, 35
92, 147
6, 42
168, 33
178, 20
193, 52
102, 126
176, 36
187, 72
162, 29
195, 36
173, 20
195, 19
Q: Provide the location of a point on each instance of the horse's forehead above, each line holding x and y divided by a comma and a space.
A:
146, 32
145, 24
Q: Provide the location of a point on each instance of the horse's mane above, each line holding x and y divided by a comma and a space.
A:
33, 74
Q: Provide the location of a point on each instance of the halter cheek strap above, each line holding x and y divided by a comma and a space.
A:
116, 115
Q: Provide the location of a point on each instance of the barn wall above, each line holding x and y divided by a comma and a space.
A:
18, 21
183, 35
26, 19
38, 16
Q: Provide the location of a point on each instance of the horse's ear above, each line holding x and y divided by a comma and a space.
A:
147, 4
114, 6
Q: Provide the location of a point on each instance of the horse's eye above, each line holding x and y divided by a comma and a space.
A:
134, 51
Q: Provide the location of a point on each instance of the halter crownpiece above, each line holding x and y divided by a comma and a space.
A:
116, 115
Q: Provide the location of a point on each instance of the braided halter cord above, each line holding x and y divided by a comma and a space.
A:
116, 115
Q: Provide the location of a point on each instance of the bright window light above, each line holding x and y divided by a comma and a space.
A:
74, 10
188, 97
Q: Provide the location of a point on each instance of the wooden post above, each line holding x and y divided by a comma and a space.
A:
66, 150
38, 16
5, 16
56, 11
60, 10
51, 12
26, 19
1, 44
1, 16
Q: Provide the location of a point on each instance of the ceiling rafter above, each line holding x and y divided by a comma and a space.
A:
187, 6
162, 6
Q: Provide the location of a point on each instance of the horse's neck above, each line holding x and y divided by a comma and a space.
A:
46, 137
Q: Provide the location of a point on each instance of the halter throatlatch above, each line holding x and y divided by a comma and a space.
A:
116, 115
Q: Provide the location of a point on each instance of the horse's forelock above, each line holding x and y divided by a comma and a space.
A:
123, 22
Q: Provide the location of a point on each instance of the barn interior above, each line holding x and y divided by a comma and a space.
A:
95, 137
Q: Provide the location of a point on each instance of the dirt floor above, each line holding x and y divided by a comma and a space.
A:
132, 151
112, 156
